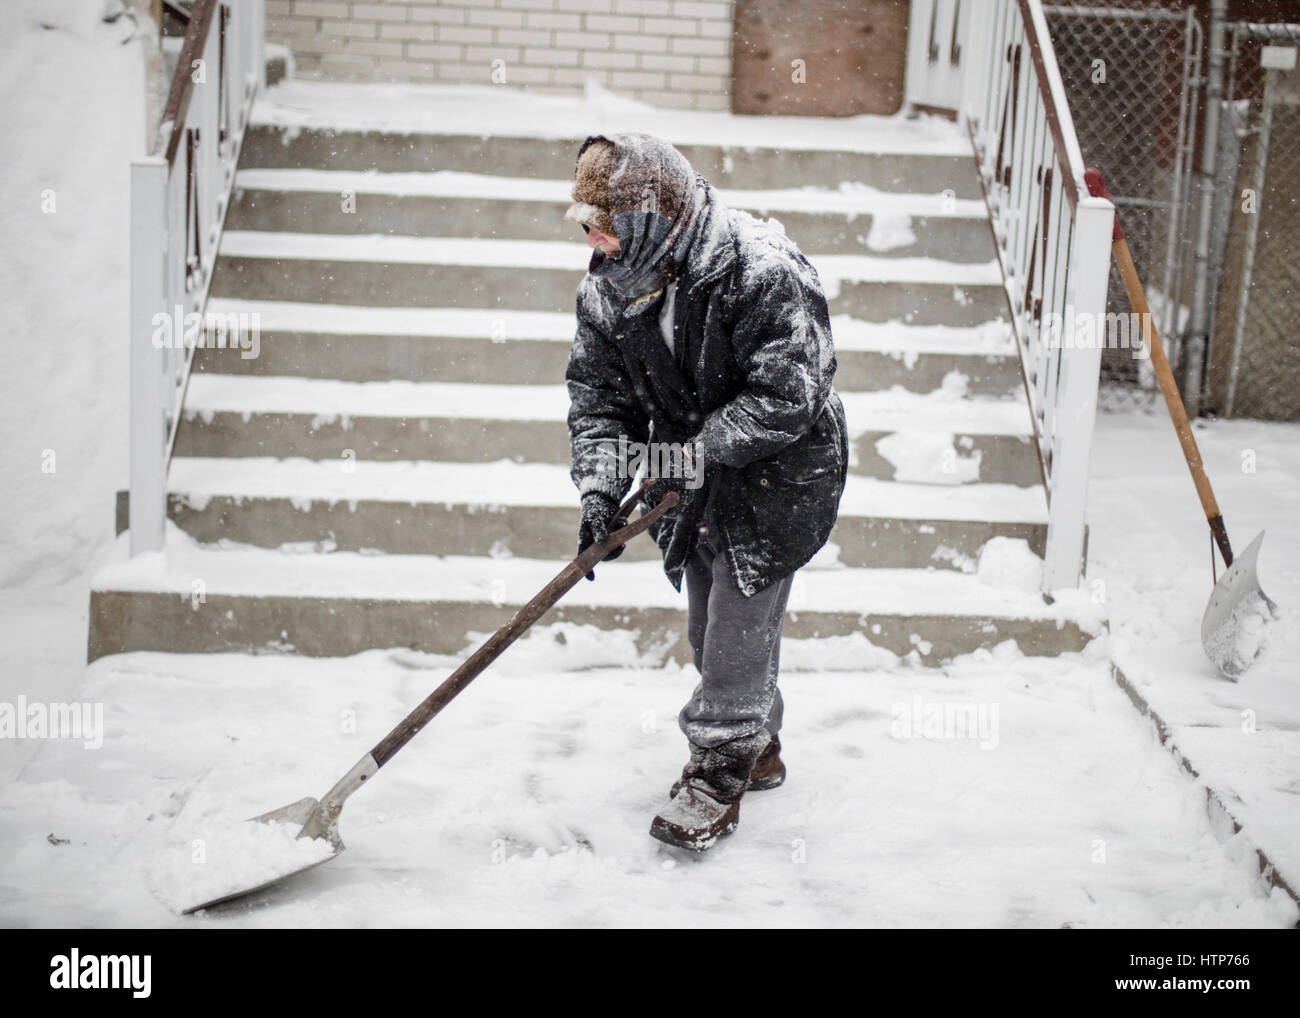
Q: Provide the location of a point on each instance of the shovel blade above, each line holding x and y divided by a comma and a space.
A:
298, 814
295, 813
1232, 629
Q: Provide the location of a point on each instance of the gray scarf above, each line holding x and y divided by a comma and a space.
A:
655, 199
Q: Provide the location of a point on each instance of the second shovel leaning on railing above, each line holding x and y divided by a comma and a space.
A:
1232, 628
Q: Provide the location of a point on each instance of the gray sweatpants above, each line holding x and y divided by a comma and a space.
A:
736, 641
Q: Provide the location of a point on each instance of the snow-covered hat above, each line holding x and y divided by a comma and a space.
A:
591, 186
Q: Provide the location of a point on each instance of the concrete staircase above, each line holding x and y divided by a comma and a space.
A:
391, 469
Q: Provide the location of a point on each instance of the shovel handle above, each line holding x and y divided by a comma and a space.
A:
564, 581
1173, 400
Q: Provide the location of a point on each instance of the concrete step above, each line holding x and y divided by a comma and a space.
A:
337, 125
935, 438
1006, 459
193, 600
531, 509
513, 347
848, 220
378, 270
742, 165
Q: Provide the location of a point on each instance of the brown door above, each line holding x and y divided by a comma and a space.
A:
820, 58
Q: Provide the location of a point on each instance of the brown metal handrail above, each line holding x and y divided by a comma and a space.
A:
1050, 101
182, 86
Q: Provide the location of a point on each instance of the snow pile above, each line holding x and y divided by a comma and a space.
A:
928, 457
569, 646
853, 652
1007, 562
75, 119
890, 230
215, 860
63, 280
955, 385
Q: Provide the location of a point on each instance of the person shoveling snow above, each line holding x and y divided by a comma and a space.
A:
706, 330
704, 345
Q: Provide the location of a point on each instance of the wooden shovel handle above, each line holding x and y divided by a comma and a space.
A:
564, 581
1182, 426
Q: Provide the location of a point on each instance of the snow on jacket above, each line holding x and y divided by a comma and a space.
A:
751, 381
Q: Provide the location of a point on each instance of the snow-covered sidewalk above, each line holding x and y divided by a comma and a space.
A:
527, 801
1150, 549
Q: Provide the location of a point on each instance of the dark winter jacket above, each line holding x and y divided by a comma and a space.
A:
752, 382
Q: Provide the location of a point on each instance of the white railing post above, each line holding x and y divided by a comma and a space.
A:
257, 40
148, 429
976, 67
1052, 242
169, 190
1076, 400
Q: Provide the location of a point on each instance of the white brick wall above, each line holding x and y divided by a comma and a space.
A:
666, 52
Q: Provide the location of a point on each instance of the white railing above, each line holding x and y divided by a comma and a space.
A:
1052, 241
179, 195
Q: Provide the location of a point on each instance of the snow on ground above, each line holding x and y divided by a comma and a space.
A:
63, 314
528, 800
63, 293
1150, 547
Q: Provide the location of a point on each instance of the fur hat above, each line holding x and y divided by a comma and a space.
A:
591, 186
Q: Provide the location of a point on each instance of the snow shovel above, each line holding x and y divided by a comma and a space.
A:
320, 819
1233, 624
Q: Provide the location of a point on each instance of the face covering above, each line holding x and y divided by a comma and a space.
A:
655, 198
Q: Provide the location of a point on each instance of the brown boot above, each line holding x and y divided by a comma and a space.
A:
707, 805
769, 770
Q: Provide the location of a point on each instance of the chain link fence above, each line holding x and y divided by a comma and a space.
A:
1132, 71
1253, 367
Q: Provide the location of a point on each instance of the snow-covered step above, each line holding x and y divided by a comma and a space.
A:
531, 509
849, 219
542, 484
461, 344
865, 411
510, 253
376, 269
992, 338
192, 599
405, 128
850, 198
939, 437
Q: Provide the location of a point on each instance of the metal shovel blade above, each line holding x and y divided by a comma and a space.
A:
1232, 630
304, 813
